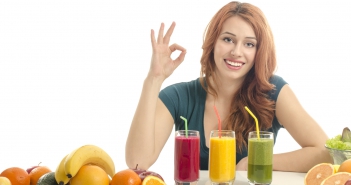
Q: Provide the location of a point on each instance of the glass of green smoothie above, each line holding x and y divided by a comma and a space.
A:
260, 157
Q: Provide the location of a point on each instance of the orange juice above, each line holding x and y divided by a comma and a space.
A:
222, 157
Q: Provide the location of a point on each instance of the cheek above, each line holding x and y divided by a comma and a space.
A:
250, 55
216, 53
220, 50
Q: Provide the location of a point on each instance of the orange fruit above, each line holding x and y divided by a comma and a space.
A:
126, 177
16, 175
36, 173
318, 173
90, 175
337, 178
153, 180
345, 166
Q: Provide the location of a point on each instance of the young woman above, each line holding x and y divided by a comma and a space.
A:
237, 70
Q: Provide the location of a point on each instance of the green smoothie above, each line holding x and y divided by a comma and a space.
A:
260, 159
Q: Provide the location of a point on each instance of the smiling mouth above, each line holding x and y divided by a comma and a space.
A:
234, 64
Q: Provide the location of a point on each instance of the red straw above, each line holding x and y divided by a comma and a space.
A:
219, 121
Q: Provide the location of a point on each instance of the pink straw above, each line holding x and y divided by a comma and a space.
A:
219, 121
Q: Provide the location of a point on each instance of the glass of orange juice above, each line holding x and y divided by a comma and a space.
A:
222, 157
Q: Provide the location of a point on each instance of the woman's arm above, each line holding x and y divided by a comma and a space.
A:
306, 132
152, 123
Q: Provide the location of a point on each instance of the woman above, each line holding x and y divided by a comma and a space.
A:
237, 70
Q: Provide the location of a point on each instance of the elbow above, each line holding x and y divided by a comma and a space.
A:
137, 161
137, 157
327, 157
137, 164
130, 162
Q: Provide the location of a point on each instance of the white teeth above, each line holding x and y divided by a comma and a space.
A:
236, 64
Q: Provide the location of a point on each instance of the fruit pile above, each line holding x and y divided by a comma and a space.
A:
86, 165
329, 174
19, 176
137, 177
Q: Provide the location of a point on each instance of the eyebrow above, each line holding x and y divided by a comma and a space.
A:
235, 35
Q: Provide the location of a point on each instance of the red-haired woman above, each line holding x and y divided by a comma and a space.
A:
237, 70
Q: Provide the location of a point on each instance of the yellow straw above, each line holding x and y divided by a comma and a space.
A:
254, 117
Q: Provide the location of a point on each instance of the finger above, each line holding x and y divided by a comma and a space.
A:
153, 40
174, 47
169, 33
160, 34
180, 58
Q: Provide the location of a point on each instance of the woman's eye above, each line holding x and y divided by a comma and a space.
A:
251, 45
226, 39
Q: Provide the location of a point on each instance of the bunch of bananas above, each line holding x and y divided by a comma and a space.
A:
87, 154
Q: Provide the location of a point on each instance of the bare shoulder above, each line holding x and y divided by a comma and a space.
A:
289, 111
291, 114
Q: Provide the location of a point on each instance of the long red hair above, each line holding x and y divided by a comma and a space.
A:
254, 90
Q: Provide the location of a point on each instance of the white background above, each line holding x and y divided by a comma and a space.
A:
71, 72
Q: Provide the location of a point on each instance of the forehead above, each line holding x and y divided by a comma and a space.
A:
238, 26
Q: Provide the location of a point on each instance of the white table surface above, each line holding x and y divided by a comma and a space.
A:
279, 178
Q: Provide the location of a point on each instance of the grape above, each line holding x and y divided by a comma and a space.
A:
348, 182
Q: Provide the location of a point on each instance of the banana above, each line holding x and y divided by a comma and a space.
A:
88, 154
60, 174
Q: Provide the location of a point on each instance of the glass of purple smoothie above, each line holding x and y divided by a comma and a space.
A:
186, 157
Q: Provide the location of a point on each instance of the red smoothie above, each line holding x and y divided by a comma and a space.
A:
186, 158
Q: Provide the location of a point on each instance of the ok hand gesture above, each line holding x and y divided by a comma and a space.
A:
162, 65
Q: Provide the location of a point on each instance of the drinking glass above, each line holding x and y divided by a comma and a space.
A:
186, 157
260, 158
222, 157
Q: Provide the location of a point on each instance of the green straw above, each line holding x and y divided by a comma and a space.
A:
254, 117
186, 125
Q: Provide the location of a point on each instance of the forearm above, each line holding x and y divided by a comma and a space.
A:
301, 160
140, 145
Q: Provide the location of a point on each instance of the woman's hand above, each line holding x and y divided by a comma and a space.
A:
242, 165
162, 65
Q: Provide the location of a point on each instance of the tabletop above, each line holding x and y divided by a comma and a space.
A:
279, 178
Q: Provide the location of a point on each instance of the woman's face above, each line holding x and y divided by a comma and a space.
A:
235, 49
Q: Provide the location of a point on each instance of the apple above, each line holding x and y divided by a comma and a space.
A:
138, 171
147, 173
32, 168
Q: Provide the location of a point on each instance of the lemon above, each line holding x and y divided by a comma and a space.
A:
5, 181
336, 167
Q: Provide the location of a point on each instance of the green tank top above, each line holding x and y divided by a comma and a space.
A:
187, 99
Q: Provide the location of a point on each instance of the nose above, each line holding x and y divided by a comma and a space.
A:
236, 50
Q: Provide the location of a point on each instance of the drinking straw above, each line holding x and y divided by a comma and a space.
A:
219, 122
186, 125
254, 117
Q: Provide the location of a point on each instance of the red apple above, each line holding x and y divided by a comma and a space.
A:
138, 171
147, 173
32, 168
